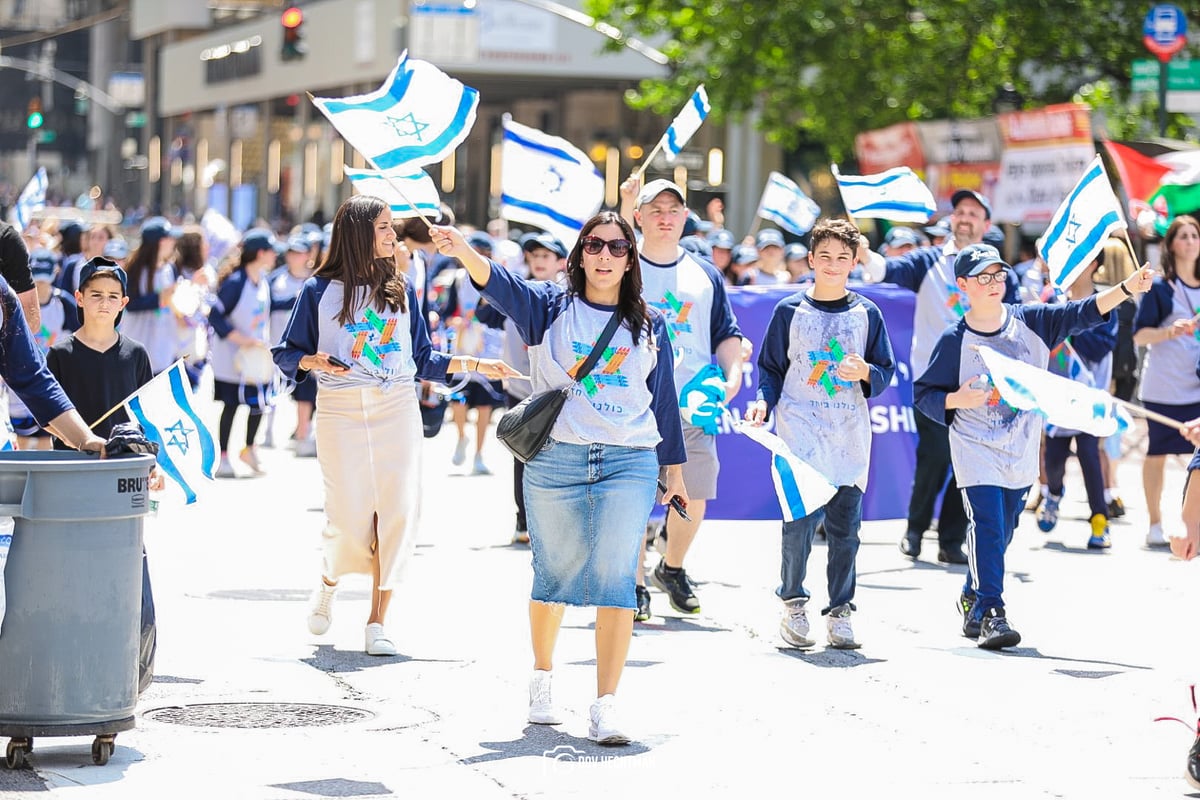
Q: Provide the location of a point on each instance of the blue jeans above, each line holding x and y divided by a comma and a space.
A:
993, 513
843, 517
586, 505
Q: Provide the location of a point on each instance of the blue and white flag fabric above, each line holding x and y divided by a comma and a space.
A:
897, 194
686, 123
1063, 402
786, 204
418, 116
800, 488
221, 233
1080, 226
187, 451
408, 195
32, 199
547, 181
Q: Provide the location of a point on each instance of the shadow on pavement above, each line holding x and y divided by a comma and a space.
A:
174, 679
337, 787
591, 662
1033, 652
329, 659
830, 657
556, 745
1059, 547
281, 595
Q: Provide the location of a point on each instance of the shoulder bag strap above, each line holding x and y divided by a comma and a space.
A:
598, 348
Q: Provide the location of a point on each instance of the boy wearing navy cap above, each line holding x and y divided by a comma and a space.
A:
994, 447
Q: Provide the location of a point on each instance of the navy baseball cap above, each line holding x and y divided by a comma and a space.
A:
769, 238
116, 248
479, 240
300, 243
994, 236
108, 268
975, 258
939, 228
42, 264
794, 250
656, 187
963, 194
745, 254
546, 241
696, 245
156, 229
691, 226
721, 238
258, 239
900, 236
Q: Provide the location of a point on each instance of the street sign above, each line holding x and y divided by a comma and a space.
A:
1182, 76
1164, 31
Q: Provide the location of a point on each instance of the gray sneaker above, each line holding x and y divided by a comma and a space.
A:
794, 626
837, 626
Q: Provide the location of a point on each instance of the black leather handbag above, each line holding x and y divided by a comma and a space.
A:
525, 427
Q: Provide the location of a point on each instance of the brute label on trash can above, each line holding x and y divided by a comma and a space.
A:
73, 584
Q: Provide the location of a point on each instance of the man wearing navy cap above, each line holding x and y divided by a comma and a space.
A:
795, 255
690, 293
721, 241
899, 241
929, 272
771, 266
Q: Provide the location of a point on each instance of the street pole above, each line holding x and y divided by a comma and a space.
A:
1162, 98
31, 152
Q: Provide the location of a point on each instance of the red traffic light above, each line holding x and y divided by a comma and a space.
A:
292, 18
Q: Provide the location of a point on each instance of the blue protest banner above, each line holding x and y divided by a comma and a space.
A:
745, 489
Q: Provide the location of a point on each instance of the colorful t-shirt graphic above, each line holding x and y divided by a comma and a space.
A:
607, 371
374, 337
824, 368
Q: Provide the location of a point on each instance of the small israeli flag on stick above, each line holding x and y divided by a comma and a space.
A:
681, 130
32, 199
786, 204
1080, 226
897, 194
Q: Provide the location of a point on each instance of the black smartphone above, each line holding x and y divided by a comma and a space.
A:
675, 503
337, 362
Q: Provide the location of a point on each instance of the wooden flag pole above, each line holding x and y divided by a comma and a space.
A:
1148, 414
640, 171
754, 228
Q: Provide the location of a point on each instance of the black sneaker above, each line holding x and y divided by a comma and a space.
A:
1193, 764
952, 555
1116, 508
910, 545
643, 605
994, 631
970, 627
677, 586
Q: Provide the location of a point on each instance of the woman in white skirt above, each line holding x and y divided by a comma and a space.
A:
357, 325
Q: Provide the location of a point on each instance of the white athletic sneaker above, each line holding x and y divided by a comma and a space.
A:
541, 704
603, 728
306, 448
320, 613
1155, 536
480, 467
225, 469
794, 626
841, 634
460, 452
377, 641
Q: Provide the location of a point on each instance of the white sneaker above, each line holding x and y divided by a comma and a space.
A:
794, 626
837, 626
377, 641
320, 613
1155, 537
225, 469
460, 452
306, 448
480, 467
541, 705
603, 728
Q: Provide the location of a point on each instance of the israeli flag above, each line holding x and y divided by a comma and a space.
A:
417, 117
1062, 401
897, 194
801, 490
547, 181
786, 204
685, 124
408, 195
187, 451
221, 233
32, 199
1084, 220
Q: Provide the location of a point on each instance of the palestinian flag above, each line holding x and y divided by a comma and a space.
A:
1170, 201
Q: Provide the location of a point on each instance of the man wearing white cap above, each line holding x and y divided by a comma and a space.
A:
690, 292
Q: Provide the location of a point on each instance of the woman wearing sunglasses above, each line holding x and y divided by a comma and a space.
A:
590, 489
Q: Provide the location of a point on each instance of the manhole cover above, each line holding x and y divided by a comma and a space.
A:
259, 715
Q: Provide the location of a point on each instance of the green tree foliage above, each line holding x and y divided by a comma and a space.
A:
823, 70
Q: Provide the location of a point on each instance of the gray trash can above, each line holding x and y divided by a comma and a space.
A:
69, 641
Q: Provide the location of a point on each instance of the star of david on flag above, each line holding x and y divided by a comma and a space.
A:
787, 205
1080, 226
187, 451
418, 116
547, 181
897, 194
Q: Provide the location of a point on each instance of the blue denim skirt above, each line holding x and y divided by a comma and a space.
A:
587, 505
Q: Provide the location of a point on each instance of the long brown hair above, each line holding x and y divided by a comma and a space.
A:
1168, 258
189, 250
351, 260
630, 304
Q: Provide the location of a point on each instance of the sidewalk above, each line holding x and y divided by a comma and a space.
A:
716, 702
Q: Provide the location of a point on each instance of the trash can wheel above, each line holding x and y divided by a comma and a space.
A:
14, 754
102, 747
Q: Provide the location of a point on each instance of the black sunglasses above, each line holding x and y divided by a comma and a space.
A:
592, 245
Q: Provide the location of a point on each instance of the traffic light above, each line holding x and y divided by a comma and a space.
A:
293, 35
34, 118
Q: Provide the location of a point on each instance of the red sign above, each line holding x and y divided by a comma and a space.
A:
894, 146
